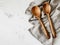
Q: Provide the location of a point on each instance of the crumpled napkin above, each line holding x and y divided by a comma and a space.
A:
36, 30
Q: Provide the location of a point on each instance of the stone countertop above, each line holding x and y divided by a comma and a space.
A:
14, 23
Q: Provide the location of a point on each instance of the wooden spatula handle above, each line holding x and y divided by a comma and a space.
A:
52, 26
44, 29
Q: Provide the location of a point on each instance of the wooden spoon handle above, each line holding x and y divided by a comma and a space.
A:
51, 26
44, 29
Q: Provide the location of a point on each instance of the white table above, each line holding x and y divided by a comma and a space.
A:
14, 23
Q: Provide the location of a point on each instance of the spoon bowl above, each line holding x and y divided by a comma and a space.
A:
47, 8
36, 11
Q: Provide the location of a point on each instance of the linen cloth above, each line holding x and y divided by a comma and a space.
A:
36, 30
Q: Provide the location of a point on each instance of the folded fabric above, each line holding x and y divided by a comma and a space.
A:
36, 30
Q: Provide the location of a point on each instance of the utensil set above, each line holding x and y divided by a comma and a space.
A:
36, 11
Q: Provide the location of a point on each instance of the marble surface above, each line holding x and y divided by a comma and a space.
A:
14, 23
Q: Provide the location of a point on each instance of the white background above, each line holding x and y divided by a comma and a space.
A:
14, 23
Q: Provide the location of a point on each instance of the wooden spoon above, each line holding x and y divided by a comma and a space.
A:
37, 13
47, 10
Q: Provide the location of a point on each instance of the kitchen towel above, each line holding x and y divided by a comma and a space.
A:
36, 30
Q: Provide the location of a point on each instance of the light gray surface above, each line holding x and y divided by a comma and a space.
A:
14, 23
